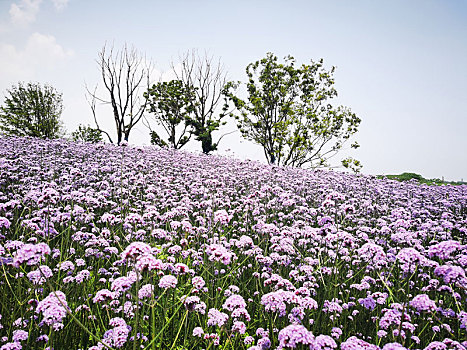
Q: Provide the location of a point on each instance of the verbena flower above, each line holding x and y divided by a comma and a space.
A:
53, 308
422, 302
294, 335
168, 281
216, 318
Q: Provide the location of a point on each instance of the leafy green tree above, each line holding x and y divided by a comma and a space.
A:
32, 110
288, 112
86, 133
171, 103
208, 79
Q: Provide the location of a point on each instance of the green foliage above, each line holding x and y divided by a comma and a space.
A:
352, 164
420, 179
32, 110
171, 103
288, 112
86, 133
208, 79
203, 129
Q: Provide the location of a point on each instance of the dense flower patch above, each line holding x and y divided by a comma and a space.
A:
106, 247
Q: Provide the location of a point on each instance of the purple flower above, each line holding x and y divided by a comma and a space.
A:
53, 308
264, 343
233, 302
136, 249
146, 291
222, 216
239, 327
216, 317
463, 319
149, 262
198, 332
102, 295
394, 346
11, 346
121, 284
168, 281
198, 282
19, 335
422, 302
449, 273
293, 335
324, 342
436, 345
444, 249
4, 222
30, 253
368, 302
353, 343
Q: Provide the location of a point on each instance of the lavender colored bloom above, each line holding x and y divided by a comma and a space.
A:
353, 343
436, 345
444, 249
422, 302
19, 335
198, 282
198, 332
103, 295
216, 317
220, 253
190, 302
222, 217
239, 327
31, 254
368, 302
324, 342
233, 302
394, 346
121, 284
149, 262
135, 249
463, 319
168, 281
241, 313
4, 222
248, 340
67, 266
11, 346
332, 306
274, 301
264, 343
146, 291
53, 308
450, 273
293, 335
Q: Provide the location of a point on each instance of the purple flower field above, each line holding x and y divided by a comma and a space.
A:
117, 247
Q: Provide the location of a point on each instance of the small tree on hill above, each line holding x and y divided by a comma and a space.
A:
288, 112
86, 133
171, 103
32, 110
208, 79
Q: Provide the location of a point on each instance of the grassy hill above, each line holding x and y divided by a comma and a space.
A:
419, 178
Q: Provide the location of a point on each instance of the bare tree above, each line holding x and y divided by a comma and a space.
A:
208, 78
125, 74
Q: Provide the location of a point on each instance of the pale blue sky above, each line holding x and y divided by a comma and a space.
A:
401, 65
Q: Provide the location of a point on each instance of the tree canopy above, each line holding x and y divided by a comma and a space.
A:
86, 133
208, 78
32, 109
288, 112
171, 104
